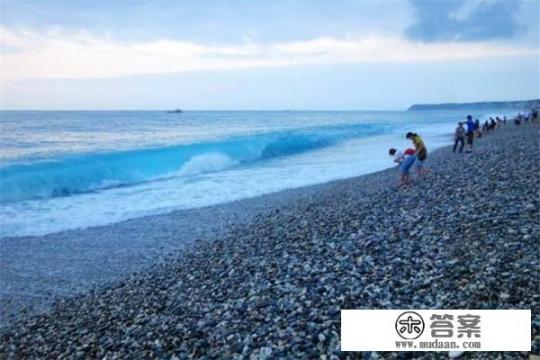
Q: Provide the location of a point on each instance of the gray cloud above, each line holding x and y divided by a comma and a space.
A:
436, 20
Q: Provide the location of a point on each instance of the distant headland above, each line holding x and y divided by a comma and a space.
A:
518, 105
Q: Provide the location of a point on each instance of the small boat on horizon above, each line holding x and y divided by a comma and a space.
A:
175, 111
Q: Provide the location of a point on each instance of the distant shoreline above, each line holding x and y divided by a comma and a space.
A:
491, 105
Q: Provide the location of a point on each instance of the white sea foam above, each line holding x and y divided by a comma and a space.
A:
206, 163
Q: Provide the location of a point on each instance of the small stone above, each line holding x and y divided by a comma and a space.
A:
265, 353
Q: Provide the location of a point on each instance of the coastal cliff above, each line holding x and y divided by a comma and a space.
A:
495, 105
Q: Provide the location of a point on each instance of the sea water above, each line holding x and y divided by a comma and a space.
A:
63, 170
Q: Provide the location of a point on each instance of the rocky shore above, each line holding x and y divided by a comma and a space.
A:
467, 236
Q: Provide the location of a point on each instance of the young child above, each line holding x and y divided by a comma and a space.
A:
459, 137
404, 159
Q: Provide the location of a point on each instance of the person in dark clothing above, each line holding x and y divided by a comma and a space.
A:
470, 133
485, 128
477, 128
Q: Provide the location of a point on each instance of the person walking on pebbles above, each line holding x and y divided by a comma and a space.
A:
404, 159
459, 137
421, 152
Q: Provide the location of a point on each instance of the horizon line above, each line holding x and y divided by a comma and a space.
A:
291, 110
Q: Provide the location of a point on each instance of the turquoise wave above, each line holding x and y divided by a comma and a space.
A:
99, 171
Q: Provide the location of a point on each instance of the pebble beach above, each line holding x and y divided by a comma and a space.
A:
267, 277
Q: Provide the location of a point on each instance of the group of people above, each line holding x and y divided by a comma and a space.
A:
472, 130
405, 159
526, 116
465, 133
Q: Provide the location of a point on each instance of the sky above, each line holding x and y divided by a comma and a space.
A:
273, 55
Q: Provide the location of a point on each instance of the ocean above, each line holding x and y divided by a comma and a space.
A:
62, 170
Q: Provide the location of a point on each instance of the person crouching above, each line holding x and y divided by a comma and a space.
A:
405, 160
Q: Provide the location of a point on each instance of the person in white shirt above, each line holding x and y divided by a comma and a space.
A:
405, 159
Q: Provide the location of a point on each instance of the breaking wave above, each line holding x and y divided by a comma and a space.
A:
98, 171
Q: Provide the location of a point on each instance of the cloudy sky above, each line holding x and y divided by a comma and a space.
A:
255, 54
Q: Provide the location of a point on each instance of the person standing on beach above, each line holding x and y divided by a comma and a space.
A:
404, 159
470, 133
526, 116
459, 137
493, 124
421, 152
485, 127
477, 128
